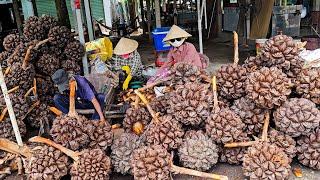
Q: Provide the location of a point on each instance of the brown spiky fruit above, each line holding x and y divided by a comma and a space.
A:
122, 149
92, 164
6, 130
21, 50
45, 89
266, 161
284, 141
251, 115
253, 63
296, 67
40, 116
48, 22
151, 163
308, 150
168, 133
20, 77
59, 36
100, 134
190, 103
297, 116
235, 155
279, 51
71, 66
46, 163
231, 81
185, 72
268, 87
48, 64
308, 84
160, 104
198, 151
4, 59
70, 132
33, 29
19, 104
11, 41
74, 50
138, 115
224, 126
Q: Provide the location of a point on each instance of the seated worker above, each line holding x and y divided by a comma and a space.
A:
125, 54
86, 95
181, 52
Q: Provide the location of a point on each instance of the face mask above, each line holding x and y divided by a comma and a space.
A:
177, 42
125, 56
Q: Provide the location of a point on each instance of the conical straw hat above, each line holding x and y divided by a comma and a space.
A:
125, 46
176, 32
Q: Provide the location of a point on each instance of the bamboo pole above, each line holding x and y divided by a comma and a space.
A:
236, 48
10, 109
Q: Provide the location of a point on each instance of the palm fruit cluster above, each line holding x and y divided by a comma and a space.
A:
122, 149
59, 36
4, 59
297, 116
6, 130
284, 141
268, 87
281, 51
253, 63
100, 135
48, 64
47, 163
151, 162
190, 103
231, 81
198, 151
308, 150
167, 132
74, 51
45, 89
48, 22
92, 164
136, 117
11, 41
235, 155
160, 104
71, 66
33, 29
20, 77
251, 115
183, 73
264, 160
19, 104
71, 132
308, 84
40, 116
224, 126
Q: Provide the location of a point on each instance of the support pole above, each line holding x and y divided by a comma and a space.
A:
107, 12
157, 9
10, 109
17, 15
89, 19
149, 18
62, 12
81, 35
199, 26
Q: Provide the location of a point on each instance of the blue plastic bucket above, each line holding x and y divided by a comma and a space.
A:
158, 35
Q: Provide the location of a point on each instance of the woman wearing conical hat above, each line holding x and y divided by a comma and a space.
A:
126, 54
181, 51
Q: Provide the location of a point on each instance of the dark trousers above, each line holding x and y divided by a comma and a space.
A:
62, 103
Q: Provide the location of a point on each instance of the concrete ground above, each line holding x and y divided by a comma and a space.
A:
220, 51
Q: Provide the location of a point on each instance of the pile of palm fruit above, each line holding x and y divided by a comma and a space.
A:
262, 115
28, 62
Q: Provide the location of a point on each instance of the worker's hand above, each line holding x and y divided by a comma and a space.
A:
102, 119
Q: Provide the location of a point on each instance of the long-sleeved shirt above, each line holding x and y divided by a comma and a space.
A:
185, 53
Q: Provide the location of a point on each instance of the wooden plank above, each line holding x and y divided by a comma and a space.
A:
261, 21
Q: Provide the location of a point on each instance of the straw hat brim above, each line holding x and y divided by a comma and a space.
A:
176, 32
125, 46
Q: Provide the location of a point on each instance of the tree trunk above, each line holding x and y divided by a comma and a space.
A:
62, 12
17, 15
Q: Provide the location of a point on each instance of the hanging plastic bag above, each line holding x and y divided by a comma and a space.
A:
101, 48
